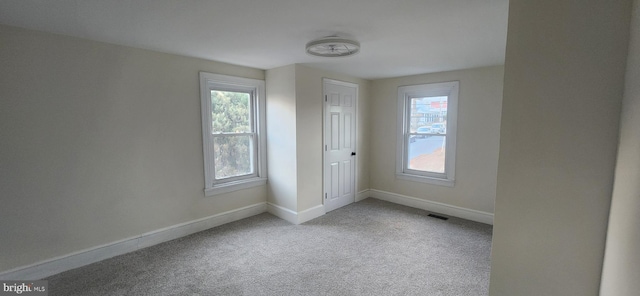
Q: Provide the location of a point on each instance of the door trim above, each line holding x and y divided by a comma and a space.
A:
326, 81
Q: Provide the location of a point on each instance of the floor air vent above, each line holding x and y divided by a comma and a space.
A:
438, 217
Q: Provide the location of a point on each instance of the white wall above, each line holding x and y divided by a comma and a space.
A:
564, 75
98, 143
621, 270
281, 137
480, 99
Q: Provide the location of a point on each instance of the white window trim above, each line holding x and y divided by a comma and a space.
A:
449, 89
210, 81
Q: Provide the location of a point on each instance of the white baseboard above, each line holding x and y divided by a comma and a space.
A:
295, 217
362, 195
432, 206
310, 214
63, 263
283, 213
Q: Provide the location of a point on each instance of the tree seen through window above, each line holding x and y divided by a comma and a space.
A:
233, 133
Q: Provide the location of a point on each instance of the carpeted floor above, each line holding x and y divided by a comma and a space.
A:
368, 248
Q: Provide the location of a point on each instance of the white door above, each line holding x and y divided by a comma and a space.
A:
340, 143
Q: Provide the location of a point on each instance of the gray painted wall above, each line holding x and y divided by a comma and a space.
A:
621, 271
564, 78
294, 122
479, 106
282, 188
99, 143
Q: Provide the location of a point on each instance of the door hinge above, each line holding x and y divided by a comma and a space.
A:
325, 196
325, 147
326, 98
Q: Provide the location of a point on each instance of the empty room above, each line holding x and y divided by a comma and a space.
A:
281, 147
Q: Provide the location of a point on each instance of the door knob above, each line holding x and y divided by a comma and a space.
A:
353, 153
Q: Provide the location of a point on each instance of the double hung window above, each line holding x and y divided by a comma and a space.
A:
233, 132
427, 132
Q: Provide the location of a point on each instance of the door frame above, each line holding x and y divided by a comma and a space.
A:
324, 99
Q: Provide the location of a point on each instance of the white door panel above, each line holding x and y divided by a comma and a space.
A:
335, 131
335, 176
346, 168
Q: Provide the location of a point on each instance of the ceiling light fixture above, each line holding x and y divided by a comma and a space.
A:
333, 47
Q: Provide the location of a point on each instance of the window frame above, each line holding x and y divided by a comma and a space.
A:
256, 89
405, 94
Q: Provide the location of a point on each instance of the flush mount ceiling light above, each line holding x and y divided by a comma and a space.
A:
332, 47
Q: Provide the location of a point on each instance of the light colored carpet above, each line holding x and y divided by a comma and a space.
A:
368, 248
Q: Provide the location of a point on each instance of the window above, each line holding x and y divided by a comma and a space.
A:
427, 132
233, 132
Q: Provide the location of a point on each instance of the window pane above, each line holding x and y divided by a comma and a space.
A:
233, 156
426, 153
428, 115
230, 112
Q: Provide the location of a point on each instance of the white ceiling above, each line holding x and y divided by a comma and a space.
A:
401, 37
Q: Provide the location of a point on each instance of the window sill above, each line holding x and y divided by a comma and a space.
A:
234, 186
424, 179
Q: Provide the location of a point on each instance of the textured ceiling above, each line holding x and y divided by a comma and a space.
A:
397, 37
